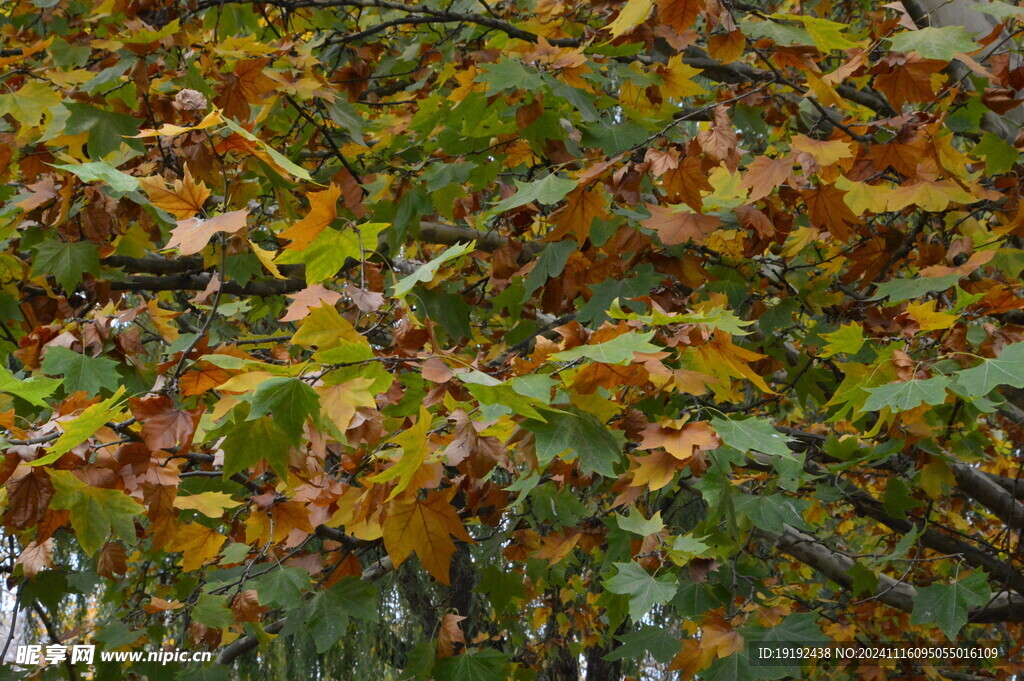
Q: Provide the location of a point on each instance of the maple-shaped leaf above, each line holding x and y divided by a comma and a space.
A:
905, 395
677, 226
324, 328
67, 261
413, 442
311, 296
340, 401
764, 174
425, 527
366, 301
323, 209
450, 638
290, 400
95, 512
752, 433
183, 200
633, 13
680, 14
192, 235
198, 543
247, 442
581, 209
935, 42
827, 209
655, 471
682, 442
163, 426
1006, 369
644, 591
325, 618
35, 557
29, 491
947, 604
32, 390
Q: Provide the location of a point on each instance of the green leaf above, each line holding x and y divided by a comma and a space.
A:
898, 290
290, 400
1001, 10
772, 512
752, 433
849, 339
636, 523
501, 586
324, 256
947, 604
325, 617
476, 665
282, 587
578, 434
247, 442
81, 428
618, 350
81, 372
661, 644
905, 395
212, 610
1007, 369
98, 171
94, 512
426, 273
935, 43
999, 156
548, 190
32, 390
825, 34
643, 590
66, 261
107, 130
509, 74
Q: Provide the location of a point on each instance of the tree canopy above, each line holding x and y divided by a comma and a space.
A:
472, 341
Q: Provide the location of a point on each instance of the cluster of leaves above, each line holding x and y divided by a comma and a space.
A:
543, 339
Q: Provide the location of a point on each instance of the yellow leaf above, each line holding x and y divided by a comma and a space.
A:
323, 208
927, 318
325, 328
210, 504
934, 475
632, 15
199, 545
413, 442
183, 201
426, 527
168, 130
266, 258
339, 402
825, 152
678, 80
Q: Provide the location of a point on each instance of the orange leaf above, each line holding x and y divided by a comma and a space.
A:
764, 175
424, 526
183, 201
192, 235
311, 296
198, 543
677, 227
577, 215
680, 443
323, 208
679, 14
450, 635
163, 426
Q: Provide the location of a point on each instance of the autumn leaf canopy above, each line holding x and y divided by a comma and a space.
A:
475, 341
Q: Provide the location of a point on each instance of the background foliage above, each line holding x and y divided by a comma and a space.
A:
535, 340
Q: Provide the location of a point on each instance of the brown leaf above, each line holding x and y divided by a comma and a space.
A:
309, 297
679, 14
583, 205
163, 426
450, 638
113, 560
680, 227
192, 235
29, 491
366, 301
764, 174
246, 607
683, 442
183, 200
35, 557
827, 209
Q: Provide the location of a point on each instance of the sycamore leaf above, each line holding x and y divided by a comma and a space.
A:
210, 504
849, 339
339, 402
426, 273
618, 350
80, 371
290, 400
81, 428
311, 296
324, 328
752, 433
677, 226
905, 395
192, 235
413, 442
632, 15
580, 435
934, 42
183, 200
32, 390
643, 590
247, 442
323, 209
1007, 369
547, 190
66, 261
946, 605
99, 171
168, 130
198, 543
95, 512
424, 527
